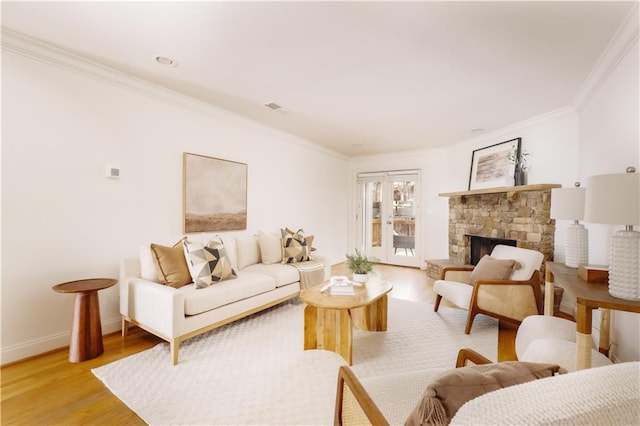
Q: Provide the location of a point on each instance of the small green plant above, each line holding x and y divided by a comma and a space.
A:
521, 163
359, 263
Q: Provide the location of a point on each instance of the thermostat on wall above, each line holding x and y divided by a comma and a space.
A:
113, 172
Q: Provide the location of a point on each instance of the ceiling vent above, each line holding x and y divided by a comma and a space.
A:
272, 105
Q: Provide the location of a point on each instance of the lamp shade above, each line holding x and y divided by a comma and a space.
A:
567, 203
613, 199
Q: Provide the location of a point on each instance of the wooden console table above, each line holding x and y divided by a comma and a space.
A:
86, 333
589, 296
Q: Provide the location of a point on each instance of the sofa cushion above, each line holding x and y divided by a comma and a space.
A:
230, 246
171, 265
247, 251
147, 265
490, 268
457, 293
451, 390
294, 246
270, 248
208, 264
283, 274
246, 285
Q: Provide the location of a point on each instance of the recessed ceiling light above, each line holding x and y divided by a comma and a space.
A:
272, 105
478, 130
356, 145
165, 61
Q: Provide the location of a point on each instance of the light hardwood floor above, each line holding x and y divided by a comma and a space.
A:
48, 390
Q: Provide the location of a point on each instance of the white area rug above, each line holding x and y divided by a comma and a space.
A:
254, 371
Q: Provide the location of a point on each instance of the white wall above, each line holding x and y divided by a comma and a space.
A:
551, 139
62, 219
609, 143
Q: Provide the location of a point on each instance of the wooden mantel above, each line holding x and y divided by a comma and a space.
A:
521, 188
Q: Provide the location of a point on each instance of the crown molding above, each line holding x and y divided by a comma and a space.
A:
40, 51
510, 130
489, 137
624, 39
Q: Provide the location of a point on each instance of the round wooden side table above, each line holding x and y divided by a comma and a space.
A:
86, 332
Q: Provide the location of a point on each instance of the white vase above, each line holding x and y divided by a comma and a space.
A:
360, 278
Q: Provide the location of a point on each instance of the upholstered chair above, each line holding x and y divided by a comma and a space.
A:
543, 338
504, 285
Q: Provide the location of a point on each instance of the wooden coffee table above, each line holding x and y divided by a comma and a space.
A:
329, 320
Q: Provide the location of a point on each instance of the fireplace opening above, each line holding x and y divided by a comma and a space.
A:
484, 245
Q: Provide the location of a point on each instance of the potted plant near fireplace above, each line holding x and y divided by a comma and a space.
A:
360, 265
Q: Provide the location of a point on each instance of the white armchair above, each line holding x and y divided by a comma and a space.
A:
507, 293
542, 338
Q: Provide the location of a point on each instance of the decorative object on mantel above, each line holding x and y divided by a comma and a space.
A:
615, 199
214, 194
594, 273
568, 204
360, 265
518, 158
490, 166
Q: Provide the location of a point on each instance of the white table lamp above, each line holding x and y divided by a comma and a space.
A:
615, 199
568, 204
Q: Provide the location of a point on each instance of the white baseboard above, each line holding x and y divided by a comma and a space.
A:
45, 344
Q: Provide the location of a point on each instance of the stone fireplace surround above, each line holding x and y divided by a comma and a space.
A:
520, 213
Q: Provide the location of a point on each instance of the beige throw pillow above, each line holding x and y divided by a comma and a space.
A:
171, 265
270, 248
490, 268
449, 391
247, 251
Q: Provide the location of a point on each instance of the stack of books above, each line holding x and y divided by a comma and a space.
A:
341, 286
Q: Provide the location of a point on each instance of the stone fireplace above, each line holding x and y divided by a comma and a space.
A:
520, 214
479, 246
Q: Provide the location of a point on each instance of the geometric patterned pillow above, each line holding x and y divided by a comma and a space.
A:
208, 264
295, 247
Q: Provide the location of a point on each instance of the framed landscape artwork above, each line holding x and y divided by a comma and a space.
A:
214, 194
490, 166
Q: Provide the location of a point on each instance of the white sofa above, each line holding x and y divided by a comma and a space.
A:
176, 314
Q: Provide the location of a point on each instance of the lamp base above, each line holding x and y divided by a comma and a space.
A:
624, 268
577, 245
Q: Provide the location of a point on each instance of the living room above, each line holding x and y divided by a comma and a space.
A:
66, 118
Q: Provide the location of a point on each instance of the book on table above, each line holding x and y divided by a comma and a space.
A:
341, 286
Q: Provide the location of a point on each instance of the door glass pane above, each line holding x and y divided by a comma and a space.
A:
404, 219
373, 213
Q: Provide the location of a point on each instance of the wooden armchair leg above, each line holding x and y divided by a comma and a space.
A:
437, 303
470, 318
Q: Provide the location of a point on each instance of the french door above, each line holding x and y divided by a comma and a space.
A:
387, 219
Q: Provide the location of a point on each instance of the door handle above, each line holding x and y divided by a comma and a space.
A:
389, 222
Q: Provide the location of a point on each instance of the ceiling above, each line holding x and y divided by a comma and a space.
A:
356, 77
